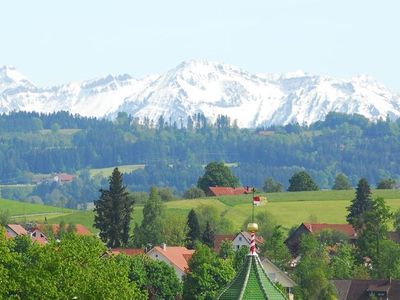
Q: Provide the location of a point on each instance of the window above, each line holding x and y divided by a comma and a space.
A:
240, 238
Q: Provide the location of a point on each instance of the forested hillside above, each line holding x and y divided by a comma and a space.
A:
174, 154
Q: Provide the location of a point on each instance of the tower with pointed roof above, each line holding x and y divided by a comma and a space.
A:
252, 282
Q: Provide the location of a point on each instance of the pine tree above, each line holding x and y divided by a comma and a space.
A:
113, 211
194, 229
150, 229
208, 236
360, 204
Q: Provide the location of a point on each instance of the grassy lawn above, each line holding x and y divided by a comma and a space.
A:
288, 209
106, 172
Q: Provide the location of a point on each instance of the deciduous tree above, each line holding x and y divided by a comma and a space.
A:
217, 174
302, 181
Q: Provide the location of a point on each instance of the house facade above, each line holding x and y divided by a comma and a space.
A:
176, 257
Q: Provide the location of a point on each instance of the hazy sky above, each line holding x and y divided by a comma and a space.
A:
56, 42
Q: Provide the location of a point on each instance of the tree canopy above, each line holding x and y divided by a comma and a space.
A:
302, 181
360, 204
217, 174
341, 182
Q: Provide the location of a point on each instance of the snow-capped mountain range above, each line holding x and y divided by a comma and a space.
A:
210, 88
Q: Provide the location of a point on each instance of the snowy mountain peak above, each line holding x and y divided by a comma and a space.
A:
210, 88
9, 75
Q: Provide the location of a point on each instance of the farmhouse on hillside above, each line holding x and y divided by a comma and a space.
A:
293, 241
228, 191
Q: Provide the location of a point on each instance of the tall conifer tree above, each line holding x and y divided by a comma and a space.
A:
113, 211
208, 236
361, 204
150, 230
194, 229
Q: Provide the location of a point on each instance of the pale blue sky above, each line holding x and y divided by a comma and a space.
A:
54, 42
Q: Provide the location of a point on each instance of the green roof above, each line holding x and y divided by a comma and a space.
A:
252, 282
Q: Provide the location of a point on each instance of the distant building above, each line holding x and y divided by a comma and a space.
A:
63, 178
220, 238
293, 241
228, 191
177, 257
366, 289
13, 230
38, 236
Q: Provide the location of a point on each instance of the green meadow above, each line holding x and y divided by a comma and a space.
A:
288, 209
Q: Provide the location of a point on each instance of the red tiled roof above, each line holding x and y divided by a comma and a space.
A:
39, 240
18, 229
344, 228
179, 256
129, 252
223, 191
55, 228
219, 238
64, 177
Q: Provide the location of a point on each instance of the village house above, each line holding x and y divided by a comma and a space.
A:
79, 229
13, 230
239, 240
228, 191
293, 241
63, 178
277, 275
367, 289
177, 257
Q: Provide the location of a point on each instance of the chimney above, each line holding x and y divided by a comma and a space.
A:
164, 246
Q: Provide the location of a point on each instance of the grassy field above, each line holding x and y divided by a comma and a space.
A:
288, 209
106, 172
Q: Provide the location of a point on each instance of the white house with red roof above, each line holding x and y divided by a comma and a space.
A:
177, 257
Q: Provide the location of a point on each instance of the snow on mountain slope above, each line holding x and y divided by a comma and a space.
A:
213, 89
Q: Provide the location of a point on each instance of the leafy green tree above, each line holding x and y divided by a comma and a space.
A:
193, 193
374, 231
150, 230
5, 217
343, 262
386, 184
275, 249
341, 182
155, 277
217, 174
174, 230
272, 186
113, 211
360, 204
239, 257
166, 194
332, 237
389, 259
312, 273
302, 181
208, 274
226, 251
208, 236
193, 233
396, 220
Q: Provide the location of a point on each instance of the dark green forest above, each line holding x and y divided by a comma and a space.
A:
175, 154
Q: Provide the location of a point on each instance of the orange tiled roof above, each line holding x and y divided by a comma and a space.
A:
345, 228
18, 229
179, 256
39, 240
79, 229
222, 191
